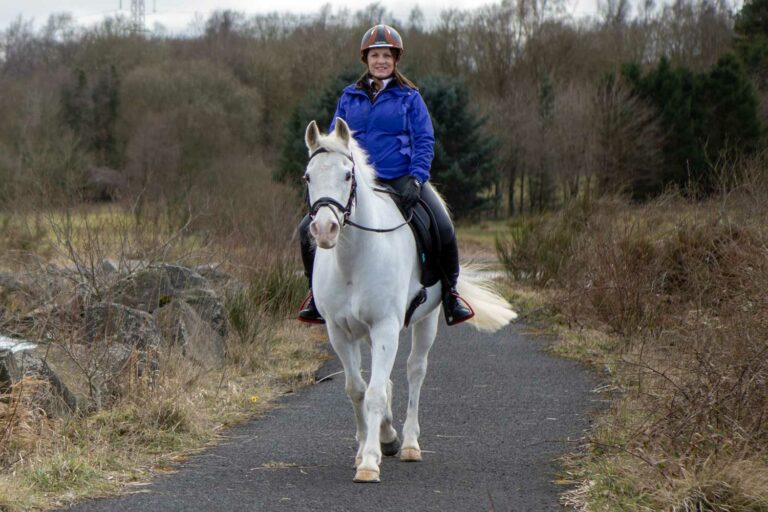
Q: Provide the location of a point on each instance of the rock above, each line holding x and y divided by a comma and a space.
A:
124, 349
18, 361
209, 306
155, 286
14, 345
181, 326
59, 401
9, 372
213, 273
107, 323
116, 369
108, 267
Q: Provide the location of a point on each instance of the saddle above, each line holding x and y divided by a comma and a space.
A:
424, 228
427, 242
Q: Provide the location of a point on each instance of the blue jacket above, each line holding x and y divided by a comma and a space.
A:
395, 129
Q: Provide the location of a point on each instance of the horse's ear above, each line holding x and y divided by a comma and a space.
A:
312, 137
342, 131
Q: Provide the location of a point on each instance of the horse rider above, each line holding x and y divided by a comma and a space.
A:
391, 123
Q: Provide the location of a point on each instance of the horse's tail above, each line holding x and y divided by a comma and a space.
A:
492, 311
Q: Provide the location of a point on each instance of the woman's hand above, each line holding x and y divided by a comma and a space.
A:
410, 194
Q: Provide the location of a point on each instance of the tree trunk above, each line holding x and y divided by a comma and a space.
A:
511, 177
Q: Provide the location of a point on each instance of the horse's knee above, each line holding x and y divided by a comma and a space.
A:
355, 392
417, 369
376, 399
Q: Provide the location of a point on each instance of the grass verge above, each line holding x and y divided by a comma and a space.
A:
51, 461
669, 300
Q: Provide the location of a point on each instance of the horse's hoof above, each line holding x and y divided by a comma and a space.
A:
390, 449
367, 476
410, 455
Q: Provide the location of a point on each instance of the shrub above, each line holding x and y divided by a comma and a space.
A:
685, 287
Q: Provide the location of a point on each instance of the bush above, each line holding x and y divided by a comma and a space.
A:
685, 287
538, 249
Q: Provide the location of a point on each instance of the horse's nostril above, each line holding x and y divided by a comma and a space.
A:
313, 229
334, 228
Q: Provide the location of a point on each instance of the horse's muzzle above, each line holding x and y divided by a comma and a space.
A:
325, 231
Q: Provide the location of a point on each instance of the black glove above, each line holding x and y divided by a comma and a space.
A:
410, 194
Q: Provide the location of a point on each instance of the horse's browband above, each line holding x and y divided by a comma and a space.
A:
324, 150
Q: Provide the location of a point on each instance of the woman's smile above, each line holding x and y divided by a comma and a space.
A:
381, 63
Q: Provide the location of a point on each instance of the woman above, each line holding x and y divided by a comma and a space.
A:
390, 121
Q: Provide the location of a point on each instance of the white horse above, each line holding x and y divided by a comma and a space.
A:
364, 281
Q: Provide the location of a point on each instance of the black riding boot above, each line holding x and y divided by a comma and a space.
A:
455, 308
308, 310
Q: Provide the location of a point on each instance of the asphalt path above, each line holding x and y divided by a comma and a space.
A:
496, 411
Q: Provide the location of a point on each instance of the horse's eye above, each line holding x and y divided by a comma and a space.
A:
348, 176
306, 178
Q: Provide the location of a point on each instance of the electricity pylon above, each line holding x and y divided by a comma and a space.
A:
137, 16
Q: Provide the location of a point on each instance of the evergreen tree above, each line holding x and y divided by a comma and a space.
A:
319, 107
540, 184
106, 101
465, 164
752, 20
703, 116
751, 45
91, 111
671, 91
728, 115
74, 103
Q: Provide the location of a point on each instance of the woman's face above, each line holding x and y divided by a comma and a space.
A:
381, 62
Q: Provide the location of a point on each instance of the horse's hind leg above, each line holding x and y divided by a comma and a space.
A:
422, 337
349, 354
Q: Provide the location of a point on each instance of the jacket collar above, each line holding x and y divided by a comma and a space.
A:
363, 89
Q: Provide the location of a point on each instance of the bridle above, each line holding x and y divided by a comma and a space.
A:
346, 210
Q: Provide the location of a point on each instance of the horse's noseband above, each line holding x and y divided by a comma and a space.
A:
345, 211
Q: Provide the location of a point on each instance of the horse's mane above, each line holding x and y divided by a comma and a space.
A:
363, 169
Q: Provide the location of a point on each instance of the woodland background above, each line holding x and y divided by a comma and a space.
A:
531, 107
617, 165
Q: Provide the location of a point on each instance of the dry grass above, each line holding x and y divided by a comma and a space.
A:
671, 298
150, 423
23, 425
58, 462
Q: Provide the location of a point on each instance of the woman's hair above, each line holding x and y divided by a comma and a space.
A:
401, 78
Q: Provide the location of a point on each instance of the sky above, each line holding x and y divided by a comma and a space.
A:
176, 15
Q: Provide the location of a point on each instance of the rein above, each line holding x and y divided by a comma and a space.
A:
346, 210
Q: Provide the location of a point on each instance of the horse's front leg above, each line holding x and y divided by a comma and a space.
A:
384, 339
390, 444
421, 341
348, 351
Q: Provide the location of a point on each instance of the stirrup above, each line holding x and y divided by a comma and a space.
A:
460, 310
308, 311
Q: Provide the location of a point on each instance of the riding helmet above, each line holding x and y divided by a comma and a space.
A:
381, 36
